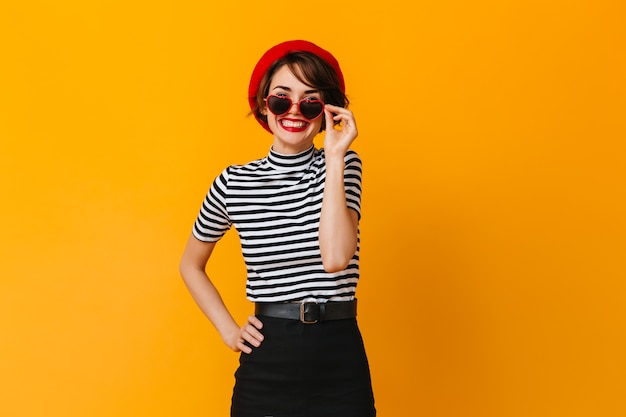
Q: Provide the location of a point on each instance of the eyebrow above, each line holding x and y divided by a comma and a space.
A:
289, 89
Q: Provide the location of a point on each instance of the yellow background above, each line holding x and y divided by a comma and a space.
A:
493, 231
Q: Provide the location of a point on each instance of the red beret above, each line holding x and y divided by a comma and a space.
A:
279, 51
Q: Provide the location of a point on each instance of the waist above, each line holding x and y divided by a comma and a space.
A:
308, 313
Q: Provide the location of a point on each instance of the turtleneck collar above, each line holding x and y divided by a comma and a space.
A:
293, 162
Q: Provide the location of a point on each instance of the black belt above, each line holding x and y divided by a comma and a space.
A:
308, 313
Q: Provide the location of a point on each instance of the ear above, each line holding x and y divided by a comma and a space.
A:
263, 109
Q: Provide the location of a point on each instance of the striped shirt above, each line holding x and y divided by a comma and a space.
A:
274, 203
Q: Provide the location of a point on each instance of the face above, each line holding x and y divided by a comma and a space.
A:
293, 133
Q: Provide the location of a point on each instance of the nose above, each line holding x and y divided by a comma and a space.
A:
294, 104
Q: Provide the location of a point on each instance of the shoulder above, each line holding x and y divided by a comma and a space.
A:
352, 157
239, 170
250, 167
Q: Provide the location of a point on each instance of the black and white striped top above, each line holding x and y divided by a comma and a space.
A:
275, 204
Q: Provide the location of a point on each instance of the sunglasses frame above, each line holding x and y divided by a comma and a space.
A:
305, 100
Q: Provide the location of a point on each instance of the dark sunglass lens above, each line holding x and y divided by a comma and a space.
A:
311, 109
278, 105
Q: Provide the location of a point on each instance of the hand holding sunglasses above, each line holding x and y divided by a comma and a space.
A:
338, 140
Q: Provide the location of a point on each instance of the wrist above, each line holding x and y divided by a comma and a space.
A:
229, 336
335, 160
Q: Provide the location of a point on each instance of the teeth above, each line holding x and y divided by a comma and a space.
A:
289, 123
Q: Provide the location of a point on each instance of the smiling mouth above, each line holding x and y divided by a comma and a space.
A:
293, 124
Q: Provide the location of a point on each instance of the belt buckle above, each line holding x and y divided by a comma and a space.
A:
303, 313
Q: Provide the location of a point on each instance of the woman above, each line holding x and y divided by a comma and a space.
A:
296, 212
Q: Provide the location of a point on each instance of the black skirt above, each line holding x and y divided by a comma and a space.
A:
305, 370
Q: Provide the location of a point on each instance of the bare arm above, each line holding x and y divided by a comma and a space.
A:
204, 293
338, 223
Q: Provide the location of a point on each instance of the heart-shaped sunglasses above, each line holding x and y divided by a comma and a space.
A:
308, 107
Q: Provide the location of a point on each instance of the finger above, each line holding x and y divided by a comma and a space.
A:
347, 119
252, 336
344, 116
246, 341
253, 327
250, 333
253, 320
334, 108
243, 347
328, 115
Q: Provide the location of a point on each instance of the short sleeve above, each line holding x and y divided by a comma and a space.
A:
352, 181
213, 220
